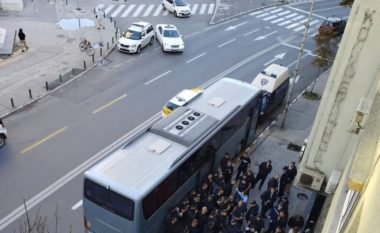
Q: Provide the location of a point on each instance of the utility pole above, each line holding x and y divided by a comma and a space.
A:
296, 69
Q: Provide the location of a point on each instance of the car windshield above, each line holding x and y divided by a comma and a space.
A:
133, 35
180, 3
171, 33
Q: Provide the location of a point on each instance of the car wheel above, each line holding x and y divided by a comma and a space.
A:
175, 13
138, 49
163, 7
2, 140
162, 47
151, 40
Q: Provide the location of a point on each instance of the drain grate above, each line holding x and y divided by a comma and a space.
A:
294, 147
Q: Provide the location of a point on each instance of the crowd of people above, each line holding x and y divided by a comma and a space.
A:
222, 204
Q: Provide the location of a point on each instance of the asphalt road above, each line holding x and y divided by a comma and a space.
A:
52, 141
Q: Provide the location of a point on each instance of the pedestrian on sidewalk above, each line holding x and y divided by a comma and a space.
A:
292, 176
264, 169
244, 163
99, 19
284, 180
21, 36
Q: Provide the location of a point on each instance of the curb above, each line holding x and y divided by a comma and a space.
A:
242, 13
57, 88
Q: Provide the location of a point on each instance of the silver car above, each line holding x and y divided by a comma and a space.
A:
3, 133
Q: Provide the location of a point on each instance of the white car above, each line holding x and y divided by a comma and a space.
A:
169, 38
3, 133
137, 36
181, 99
179, 8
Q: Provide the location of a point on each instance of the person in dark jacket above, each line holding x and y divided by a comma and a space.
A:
292, 176
268, 198
273, 182
245, 161
264, 169
252, 212
284, 180
21, 36
227, 171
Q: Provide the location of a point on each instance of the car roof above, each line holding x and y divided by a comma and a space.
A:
167, 26
184, 96
138, 26
334, 19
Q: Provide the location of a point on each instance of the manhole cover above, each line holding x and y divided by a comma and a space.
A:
302, 196
294, 147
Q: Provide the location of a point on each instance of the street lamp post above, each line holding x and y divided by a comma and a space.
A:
296, 69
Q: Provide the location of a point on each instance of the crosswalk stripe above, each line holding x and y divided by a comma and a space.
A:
270, 17
304, 20
158, 10
194, 9
211, 8
147, 12
292, 25
314, 22
128, 10
262, 15
203, 9
256, 13
299, 28
166, 12
117, 11
138, 10
109, 8
291, 15
284, 23
277, 10
283, 13
277, 20
299, 17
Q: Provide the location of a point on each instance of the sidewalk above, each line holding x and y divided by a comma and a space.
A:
52, 51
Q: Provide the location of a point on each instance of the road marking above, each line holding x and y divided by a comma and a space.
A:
296, 47
299, 17
249, 33
77, 205
158, 10
277, 10
256, 13
277, 20
291, 16
313, 22
109, 103
270, 17
203, 9
283, 13
194, 9
138, 10
284, 23
158, 77
306, 12
147, 12
34, 145
294, 62
292, 25
262, 15
226, 43
109, 8
194, 58
211, 8
117, 11
128, 10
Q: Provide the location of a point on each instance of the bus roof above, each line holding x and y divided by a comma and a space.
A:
271, 78
137, 167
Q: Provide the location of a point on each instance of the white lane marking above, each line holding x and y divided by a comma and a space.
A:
117, 11
77, 205
299, 17
194, 9
138, 10
128, 10
211, 8
306, 12
195, 58
158, 10
109, 8
283, 13
158, 77
291, 15
270, 17
262, 15
277, 20
292, 25
313, 22
304, 20
249, 33
326, 9
277, 10
295, 47
271, 8
256, 13
147, 12
299, 28
284, 23
203, 9
226, 43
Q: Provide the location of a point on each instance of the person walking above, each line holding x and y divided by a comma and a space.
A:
264, 169
292, 175
284, 180
244, 163
21, 36
268, 198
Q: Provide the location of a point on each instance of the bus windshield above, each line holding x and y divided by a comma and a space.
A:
108, 199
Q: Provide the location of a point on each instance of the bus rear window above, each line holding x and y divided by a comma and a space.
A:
108, 199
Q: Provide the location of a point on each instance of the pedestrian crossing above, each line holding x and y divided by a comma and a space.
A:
287, 19
146, 10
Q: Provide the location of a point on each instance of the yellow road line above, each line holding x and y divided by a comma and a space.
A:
43, 140
109, 104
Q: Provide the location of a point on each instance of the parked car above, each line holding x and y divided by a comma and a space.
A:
337, 25
169, 38
179, 8
3, 133
180, 99
137, 36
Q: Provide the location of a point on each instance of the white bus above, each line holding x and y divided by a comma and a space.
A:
134, 187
